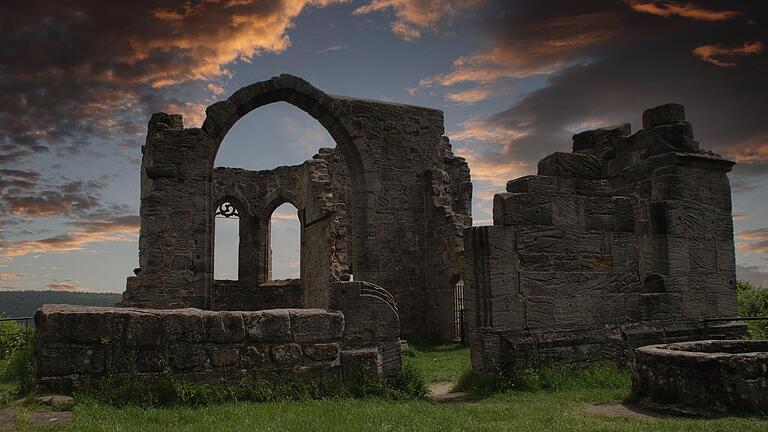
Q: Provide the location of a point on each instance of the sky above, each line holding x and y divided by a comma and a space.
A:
515, 79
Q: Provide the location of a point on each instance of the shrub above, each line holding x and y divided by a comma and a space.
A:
16, 361
174, 391
753, 301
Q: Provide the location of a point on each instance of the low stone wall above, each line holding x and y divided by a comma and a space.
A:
77, 341
703, 378
493, 350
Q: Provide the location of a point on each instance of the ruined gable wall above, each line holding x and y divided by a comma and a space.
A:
387, 149
627, 240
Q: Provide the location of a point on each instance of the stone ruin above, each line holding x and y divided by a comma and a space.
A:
387, 207
624, 242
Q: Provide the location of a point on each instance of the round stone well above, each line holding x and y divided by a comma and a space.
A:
703, 378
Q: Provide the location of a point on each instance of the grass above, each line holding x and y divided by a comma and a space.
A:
439, 363
555, 404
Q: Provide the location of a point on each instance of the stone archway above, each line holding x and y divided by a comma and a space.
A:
397, 222
222, 116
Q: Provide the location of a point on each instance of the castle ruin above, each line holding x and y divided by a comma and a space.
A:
626, 241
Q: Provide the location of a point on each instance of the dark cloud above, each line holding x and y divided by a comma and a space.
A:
73, 71
27, 193
639, 60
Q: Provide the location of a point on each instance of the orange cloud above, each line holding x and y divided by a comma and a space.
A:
468, 97
492, 169
552, 47
722, 56
413, 16
9, 277
481, 130
122, 228
217, 90
66, 285
753, 241
192, 113
668, 9
753, 151
241, 31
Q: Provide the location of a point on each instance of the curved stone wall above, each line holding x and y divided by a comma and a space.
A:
713, 377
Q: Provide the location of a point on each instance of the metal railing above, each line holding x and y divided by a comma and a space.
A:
12, 338
765, 318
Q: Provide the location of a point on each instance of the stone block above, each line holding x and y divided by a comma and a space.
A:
65, 323
592, 139
521, 209
535, 262
224, 357
188, 357
256, 356
185, 326
315, 325
570, 165
541, 240
322, 352
566, 263
663, 115
286, 354
359, 361
52, 361
226, 327
568, 211
268, 326
152, 361
539, 312
508, 311
138, 329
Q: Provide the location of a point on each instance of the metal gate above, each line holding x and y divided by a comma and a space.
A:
458, 312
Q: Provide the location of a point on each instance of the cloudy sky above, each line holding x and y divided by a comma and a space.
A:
515, 79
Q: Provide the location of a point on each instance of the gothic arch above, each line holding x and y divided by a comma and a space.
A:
222, 116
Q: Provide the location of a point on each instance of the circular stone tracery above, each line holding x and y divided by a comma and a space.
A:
703, 378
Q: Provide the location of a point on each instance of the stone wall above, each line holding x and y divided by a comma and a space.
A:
74, 342
389, 153
234, 295
627, 238
703, 378
309, 189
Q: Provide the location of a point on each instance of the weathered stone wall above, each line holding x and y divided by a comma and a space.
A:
234, 295
387, 150
618, 240
309, 189
704, 378
73, 342
77, 341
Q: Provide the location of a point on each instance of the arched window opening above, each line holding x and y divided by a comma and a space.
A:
285, 243
274, 135
226, 242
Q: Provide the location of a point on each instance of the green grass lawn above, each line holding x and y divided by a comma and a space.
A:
546, 410
440, 363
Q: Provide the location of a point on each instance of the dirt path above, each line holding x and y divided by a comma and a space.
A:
620, 411
441, 392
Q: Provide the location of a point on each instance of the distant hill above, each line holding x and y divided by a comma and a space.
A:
25, 303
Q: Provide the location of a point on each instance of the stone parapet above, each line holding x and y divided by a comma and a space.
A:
76, 342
